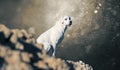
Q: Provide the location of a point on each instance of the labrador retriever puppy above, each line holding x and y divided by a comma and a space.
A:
52, 37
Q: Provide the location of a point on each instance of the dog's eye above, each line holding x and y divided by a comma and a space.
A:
65, 18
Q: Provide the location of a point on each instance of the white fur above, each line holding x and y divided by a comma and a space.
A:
52, 37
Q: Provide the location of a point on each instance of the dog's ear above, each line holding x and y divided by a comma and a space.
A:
61, 19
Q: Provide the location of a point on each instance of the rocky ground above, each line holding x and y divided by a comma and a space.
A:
19, 51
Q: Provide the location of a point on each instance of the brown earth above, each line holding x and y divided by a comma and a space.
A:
19, 51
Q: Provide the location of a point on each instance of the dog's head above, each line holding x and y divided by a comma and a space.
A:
66, 20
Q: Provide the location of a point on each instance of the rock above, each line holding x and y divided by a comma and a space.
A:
42, 65
19, 46
19, 51
13, 57
5, 31
18, 66
79, 65
25, 57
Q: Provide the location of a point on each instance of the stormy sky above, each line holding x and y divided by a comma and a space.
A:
93, 38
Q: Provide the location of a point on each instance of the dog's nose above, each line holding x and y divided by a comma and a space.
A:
70, 23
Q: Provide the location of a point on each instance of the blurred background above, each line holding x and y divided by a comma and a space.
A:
93, 38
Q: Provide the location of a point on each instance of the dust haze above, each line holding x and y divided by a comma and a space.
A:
94, 36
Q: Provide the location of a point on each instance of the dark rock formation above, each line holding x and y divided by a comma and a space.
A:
19, 51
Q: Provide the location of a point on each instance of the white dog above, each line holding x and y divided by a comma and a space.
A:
51, 38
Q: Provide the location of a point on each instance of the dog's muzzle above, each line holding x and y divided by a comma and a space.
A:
70, 23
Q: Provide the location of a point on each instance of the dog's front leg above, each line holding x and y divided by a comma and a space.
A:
53, 53
54, 50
